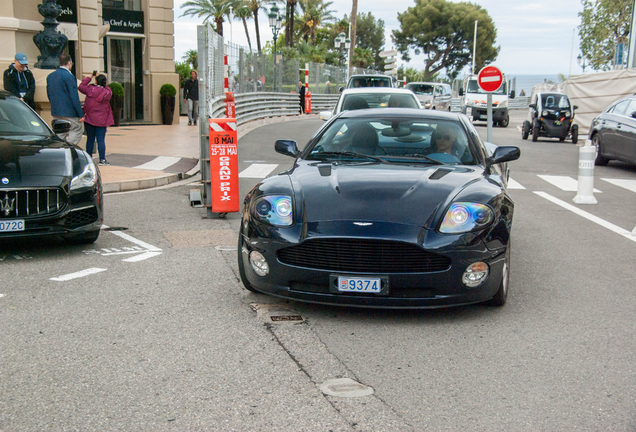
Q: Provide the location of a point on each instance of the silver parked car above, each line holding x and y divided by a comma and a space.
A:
432, 95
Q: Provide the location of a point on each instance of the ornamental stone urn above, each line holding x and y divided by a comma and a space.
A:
49, 41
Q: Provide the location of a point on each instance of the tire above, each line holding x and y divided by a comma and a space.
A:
248, 286
525, 130
561, 139
83, 238
504, 122
600, 159
501, 295
535, 131
575, 134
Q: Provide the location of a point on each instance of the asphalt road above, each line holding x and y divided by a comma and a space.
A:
161, 336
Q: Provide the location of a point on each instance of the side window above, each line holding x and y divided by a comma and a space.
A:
631, 108
447, 90
438, 90
620, 108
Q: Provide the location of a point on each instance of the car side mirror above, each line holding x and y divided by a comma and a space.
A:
512, 94
341, 89
325, 115
633, 114
461, 92
286, 147
61, 126
533, 106
575, 107
503, 154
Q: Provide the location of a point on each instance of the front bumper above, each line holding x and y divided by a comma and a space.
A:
481, 113
550, 128
406, 289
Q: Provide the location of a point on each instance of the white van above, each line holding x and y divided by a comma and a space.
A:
474, 103
432, 95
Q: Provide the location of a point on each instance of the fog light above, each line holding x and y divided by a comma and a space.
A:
259, 263
475, 274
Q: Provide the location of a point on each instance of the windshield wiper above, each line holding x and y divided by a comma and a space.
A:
421, 156
348, 153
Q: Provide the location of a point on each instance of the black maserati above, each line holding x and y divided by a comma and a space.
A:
397, 208
48, 187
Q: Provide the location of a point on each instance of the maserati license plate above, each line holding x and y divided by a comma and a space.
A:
12, 225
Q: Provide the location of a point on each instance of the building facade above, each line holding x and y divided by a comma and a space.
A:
132, 41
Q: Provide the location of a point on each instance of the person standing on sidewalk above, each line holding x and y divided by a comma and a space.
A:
97, 114
18, 80
301, 91
191, 97
61, 88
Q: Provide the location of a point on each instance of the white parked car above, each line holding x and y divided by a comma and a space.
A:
372, 97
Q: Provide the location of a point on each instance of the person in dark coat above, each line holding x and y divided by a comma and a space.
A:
18, 80
61, 88
97, 114
191, 97
301, 91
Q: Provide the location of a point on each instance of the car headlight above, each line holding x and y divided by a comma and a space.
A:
544, 113
566, 114
470, 103
86, 179
503, 104
463, 217
274, 209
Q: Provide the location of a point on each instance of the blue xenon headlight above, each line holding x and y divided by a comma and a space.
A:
463, 217
86, 179
274, 209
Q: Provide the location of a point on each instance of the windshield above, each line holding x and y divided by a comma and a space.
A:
421, 89
555, 101
473, 87
356, 101
370, 81
17, 118
394, 140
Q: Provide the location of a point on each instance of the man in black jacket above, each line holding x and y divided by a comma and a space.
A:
19, 81
191, 97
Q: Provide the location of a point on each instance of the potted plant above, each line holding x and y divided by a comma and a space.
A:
167, 92
117, 101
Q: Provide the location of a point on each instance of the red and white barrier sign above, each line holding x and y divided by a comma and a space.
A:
490, 79
307, 102
230, 105
224, 166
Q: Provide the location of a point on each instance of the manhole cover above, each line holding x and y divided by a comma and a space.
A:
345, 387
274, 313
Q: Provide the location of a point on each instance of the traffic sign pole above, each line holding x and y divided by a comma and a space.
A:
489, 79
489, 118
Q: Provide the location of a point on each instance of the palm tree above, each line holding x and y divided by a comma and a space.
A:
290, 7
243, 12
215, 9
315, 12
255, 6
191, 57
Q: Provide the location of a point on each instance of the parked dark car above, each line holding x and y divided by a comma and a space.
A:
48, 187
613, 132
373, 214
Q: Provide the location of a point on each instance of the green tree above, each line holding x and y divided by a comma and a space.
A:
362, 58
444, 31
183, 69
604, 24
370, 35
255, 6
314, 14
191, 57
215, 9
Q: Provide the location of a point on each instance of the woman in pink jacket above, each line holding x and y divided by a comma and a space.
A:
97, 114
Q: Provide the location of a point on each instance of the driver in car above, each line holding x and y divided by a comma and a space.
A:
444, 140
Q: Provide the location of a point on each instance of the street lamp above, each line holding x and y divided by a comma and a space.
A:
275, 22
581, 61
341, 41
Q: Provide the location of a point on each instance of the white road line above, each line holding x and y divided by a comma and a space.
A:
143, 256
630, 185
565, 183
513, 184
78, 274
597, 220
257, 170
159, 163
144, 245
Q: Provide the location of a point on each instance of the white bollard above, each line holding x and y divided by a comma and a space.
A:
585, 191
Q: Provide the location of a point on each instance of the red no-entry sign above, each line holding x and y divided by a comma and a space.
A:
490, 79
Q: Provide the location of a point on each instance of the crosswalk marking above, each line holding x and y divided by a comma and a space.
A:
513, 184
258, 171
630, 185
159, 163
565, 183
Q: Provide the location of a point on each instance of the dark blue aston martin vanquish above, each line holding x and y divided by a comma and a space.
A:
389, 208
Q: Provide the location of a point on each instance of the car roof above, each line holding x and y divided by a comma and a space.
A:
426, 82
369, 76
401, 112
359, 90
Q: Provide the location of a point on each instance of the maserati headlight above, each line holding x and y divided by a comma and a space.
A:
463, 217
86, 179
274, 209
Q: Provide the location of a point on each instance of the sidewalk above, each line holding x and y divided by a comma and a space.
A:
148, 156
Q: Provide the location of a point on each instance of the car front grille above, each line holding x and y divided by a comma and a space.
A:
364, 256
84, 216
24, 203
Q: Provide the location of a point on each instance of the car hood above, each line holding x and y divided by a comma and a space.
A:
408, 194
34, 161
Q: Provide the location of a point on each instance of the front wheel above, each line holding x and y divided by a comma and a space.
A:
535, 131
600, 159
525, 130
502, 293
504, 122
575, 134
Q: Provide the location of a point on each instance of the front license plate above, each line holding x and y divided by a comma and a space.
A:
355, 284
12, 225
483, 117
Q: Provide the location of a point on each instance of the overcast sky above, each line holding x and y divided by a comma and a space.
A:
535, 36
